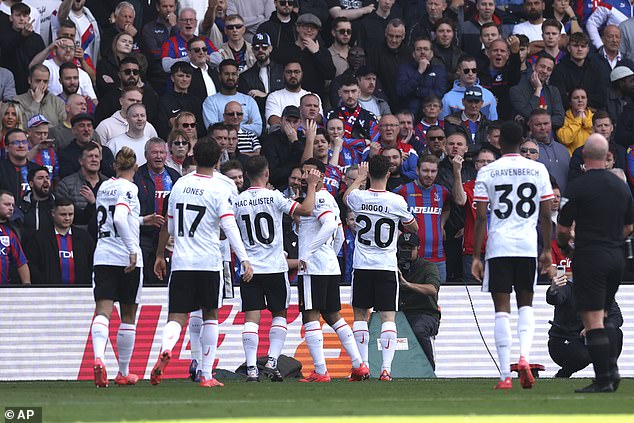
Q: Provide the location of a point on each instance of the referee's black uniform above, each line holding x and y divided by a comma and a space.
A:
600, 204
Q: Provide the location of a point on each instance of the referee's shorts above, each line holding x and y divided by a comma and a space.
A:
597, 275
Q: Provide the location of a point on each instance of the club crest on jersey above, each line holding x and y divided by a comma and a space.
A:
436, 197
5, 240
322, 200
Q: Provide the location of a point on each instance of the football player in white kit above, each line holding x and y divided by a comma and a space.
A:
375, 281
118, 264
519, 193
198, 208
320, 238
259, 212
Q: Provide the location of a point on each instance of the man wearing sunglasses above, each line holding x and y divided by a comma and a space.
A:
236, 47
342, 34
467, 78
254, 12
281, 25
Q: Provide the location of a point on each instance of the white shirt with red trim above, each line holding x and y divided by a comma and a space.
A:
377, 215
514, 186
110, 250
196, 206
324, 260
259, 213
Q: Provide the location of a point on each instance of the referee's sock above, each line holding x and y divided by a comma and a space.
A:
250, 342
171, 333
502, 335
315, 342
599, 348
209, 342
526, 330
346, 337
195, 323
388, 345
277, 337
362, 336
125, 344
100, 331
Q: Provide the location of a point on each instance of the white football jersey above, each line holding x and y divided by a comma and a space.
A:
514, 186
110, 250
197, 203
259, 212
377, 214
324, 260
229, 184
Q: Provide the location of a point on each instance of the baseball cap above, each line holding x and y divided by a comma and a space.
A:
309, 19
291, 111
620, 72
261, 38
408, 239
36, 120
473, 93
82, 117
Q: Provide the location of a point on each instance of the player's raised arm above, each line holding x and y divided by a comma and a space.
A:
313, 178
361, 178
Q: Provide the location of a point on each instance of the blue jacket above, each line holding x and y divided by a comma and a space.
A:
412, 86
452, 101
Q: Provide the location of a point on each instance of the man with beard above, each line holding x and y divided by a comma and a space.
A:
357, 121
283, 147
69, 78
214, 106
503, 72
87, 28
290, 95
63, 53
396, 178
265, 76
342, 34
37, 100
281, 25
38, 203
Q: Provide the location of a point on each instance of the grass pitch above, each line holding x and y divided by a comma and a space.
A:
433, 400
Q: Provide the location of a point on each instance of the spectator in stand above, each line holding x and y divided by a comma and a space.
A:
83, 130
354, 11
316, 146
529, 149
204, 78
470, 29
366, 79
13, 258
179, 148
61, 253
551, 35
489, 32
534, 92
577, 123
290, 95
446, 48
134, 137
248, 143
82, 185
37, 100
179, 99
213, 106
69, 78
158, 31
15, 167
342, 33
357, 121
36, 206
423, 24
608, 56
11, 117
254, 13
124, 15
19, 45
372, 26
430, 108
396, 178
233, 170
7, 85
470, 120
264, 77
281, 24
436, 142
386, 58
532, 27
575, 70
406, 133
117, 124
356, 60
108, 67
62, 134
186, 122
314, 57
155, 182
87, 31
604, 14
552, 154
213, 22
467, 78
34, 15
42, 148
346, 152
502, 73
565, 14
236, 47
429, 203
389, 128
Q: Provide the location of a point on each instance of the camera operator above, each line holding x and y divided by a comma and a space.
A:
419, 283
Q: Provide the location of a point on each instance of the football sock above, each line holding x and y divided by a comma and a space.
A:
388, 345
502, 335
315, 342
125, 345
100, 331
346, 337
209, 342
277, 336
362, 336
250, 342
195, 323
599, 348
615, 341
171, 333
526, 330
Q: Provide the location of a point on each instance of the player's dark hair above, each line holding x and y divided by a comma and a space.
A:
378, 166
207, 153
510, 134
255, 166
314, 162
63, 201
31, 174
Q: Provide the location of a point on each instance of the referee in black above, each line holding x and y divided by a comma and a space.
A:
600, 206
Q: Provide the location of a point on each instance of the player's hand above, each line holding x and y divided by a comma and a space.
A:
456, 162
313, 177
363, 171
545, 264
477, 269
130, 267
160, 267
154, 219
247, 271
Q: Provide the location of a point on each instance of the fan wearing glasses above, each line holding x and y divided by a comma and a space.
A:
15, 168
254, 13
467, 78
342, 34
236, 47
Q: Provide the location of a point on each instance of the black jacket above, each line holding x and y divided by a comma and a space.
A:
171, 104
69, 160
445, 178
318, 67
567, 76
280, 33
282, 156
500, 85
37, 214
10, 180
16, 52
43, 254
385, 62
624, 127
250, 80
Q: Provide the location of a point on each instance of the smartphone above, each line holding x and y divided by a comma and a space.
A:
561, 270
77, 44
